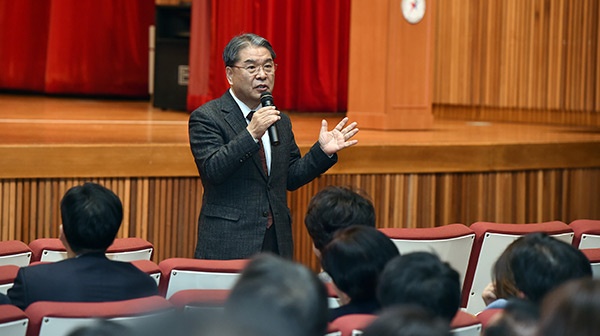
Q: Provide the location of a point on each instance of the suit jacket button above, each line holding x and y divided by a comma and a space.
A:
265, 214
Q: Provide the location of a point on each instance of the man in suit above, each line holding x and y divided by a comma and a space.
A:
91, 216
244, 206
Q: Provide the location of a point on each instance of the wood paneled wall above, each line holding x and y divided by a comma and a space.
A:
506, 57
164, 210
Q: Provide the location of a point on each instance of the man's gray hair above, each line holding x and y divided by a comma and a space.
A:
233, 48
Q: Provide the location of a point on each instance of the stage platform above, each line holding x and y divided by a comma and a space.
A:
457, 171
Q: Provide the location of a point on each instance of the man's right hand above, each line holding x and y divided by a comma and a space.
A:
261, 120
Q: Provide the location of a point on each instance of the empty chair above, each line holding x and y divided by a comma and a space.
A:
60, 318
465, 324
13, 321
123, 249
452, 243
491, 239
149, 267
14, 252
8, 273
593, 255
186, 273
349, 325
587, 233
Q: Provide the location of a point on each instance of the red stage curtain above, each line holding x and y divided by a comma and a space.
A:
23, 42
99, 47
310, 38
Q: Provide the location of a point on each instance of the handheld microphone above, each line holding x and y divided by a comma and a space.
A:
266, 99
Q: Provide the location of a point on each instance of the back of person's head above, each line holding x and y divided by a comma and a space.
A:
279, 295
407, 320
519, 318
421, 278
572, 309
103, 328
334, 208
91, 217
355, 258
541, 263
502, 276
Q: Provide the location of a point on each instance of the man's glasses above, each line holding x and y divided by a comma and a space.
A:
252, 69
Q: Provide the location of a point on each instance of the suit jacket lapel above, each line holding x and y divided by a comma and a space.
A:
235, 119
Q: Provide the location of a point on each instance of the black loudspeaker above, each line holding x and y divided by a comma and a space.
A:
171, 57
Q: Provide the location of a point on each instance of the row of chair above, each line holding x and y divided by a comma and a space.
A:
15, 252
472, 251
60, 318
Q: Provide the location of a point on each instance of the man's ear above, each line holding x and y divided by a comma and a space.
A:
229, 74
521, 295
316, 252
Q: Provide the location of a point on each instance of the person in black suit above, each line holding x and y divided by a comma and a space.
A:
244, 205
91, 217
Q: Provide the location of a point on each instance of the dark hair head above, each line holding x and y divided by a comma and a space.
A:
355, 258
236, 44
407, 320
519, 318
335, 208
572, 309
274, 293
103, 328
91, 217
421, 278
541, 263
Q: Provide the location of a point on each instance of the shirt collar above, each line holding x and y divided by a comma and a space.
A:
245, 109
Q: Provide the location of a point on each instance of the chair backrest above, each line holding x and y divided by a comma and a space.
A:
333, 300
587, 233
149, 267
13, 321
491, 239
123, 249
8, 273
60, 318
200, 300
14, 252
593, 255
465, 324
186, 273
452, 243
349, 325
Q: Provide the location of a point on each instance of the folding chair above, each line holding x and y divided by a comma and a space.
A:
8, 273
122, 249
200, 301
13, 321
465, 324
60, 318
593, 255
452, 243
491, 239
587, 233
14, 252
349, 325
186, 273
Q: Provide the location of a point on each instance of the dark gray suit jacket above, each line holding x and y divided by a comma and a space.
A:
237, 193
88, 278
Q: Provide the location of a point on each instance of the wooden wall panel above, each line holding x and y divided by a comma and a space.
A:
165, 210
507, 57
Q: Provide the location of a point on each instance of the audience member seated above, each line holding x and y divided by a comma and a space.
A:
4, 299
334, 208
422, 279
103, 328
572, 309
274, 296
407, 320
91, 216
503, 286
354, 259
540, 263
519, 317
